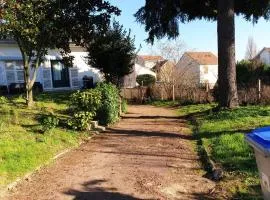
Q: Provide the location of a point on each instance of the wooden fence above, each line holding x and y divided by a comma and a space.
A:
248, 94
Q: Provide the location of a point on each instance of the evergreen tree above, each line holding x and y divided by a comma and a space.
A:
113, 53
162, 18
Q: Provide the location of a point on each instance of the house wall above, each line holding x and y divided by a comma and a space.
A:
150, 64
188, 70
130, 80
208, 73
167, 72
265, 57
44, 76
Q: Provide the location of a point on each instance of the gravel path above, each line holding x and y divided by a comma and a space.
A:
147, 155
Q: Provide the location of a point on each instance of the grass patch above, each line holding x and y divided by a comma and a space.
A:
23, 147
164, 103
222, 135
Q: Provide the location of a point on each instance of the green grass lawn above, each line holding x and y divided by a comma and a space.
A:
23, 146
222, 135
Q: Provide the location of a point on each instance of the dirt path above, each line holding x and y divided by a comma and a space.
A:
147, 155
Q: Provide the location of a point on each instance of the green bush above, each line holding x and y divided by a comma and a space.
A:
88, 101
124, 105
80, 120
108, 112
145, 80
3, 100
49, 122
84, 106
101, 103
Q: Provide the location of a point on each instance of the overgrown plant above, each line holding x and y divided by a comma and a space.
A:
49, 122
84, 106
108, 113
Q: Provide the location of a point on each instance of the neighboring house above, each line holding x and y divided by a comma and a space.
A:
148, 60
52, 74
198, 68
143, 65
166, 71
130, 80
264, 56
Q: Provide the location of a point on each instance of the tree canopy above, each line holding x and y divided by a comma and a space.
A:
40, 25
113, 53
162, 18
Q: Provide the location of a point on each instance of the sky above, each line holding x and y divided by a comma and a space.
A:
198, 35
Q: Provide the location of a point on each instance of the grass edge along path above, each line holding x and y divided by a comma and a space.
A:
222, 136
23, 148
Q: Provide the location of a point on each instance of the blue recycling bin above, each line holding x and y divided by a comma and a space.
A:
259, 139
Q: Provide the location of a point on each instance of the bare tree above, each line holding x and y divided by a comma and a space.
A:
251, 50
171, 50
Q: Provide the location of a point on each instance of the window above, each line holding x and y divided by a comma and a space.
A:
205, 69
14, 71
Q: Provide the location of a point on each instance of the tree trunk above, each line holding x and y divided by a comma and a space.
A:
28, 85
227, 87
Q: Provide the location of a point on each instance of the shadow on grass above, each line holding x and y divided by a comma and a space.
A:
56, 97
93, 190
253, 192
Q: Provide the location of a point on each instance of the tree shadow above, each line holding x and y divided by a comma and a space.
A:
149, 133
93, 190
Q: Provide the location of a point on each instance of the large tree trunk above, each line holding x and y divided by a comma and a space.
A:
227, 87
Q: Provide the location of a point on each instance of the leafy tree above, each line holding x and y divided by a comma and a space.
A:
40, 25
146, 79
161, 18
113, 53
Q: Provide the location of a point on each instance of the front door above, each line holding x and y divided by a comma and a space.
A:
60, 74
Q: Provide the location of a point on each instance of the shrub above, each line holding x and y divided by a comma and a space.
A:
3, 100
49, 122
80, 120
88, 100
84, 106
124, 105
101, 103
145, 80
108, 112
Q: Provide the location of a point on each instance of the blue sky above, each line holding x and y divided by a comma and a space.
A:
198, 35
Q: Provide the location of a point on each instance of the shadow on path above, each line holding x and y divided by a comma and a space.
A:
148, 133
92, 190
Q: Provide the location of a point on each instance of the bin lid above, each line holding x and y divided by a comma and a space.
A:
260, 139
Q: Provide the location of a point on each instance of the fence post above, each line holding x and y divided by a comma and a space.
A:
259, 89
173, 90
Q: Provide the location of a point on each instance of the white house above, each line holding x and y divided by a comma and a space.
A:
143, 65
264, 56
198, 68
52, 74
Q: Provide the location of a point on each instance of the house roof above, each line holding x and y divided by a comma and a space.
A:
258, 55
203, 58
151, 58
159, 65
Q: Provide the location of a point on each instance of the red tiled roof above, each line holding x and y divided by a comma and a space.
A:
151, 58
203, 58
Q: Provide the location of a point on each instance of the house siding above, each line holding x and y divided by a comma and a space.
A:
265, 57
44, 75
210, 77
188, 70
